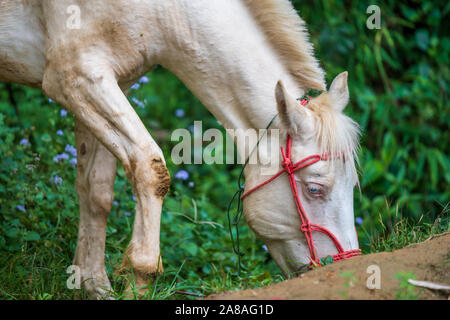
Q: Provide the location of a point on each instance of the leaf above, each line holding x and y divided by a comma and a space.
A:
190, 247
422, 39
432, 162
326, 261
373, 170
32, 236
13, 233
46, 138
389, 148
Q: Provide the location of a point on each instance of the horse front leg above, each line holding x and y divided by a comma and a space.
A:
89, 89
96, 170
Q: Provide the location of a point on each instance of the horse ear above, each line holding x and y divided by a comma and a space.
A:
339, 91
291, 114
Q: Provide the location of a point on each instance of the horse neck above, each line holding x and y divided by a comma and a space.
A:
221, 54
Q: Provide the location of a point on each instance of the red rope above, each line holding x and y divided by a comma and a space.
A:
306, 226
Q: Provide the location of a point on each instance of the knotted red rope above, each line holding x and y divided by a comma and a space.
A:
306, 226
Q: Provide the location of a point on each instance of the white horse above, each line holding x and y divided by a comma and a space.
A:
233, 55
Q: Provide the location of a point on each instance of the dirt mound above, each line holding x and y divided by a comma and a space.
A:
427, 261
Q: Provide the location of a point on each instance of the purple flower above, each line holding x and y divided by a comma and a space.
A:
63, 113
182, 175
128, 214
56, 180
264, 247
134, 198
179, 113
70, 149
191, 184
59, 157
139, 103
21, 208
73, 162
115, 203
25, 142
50, 100
135, 86
144, 79
359, 221
60, 133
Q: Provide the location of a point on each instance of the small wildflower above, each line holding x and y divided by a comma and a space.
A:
50, 100
59, 157
264, 247
73, 162
63, 113
21, 208
179, 113
182, 175
60, 133
139, 103
135, 86
128, 214
191, 184
144, 79
70, 149
25, 142
134, 198
56, 180
359, 221
191, 128
115, 203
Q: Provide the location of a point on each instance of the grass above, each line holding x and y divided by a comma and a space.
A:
407, 291
404, 232
37, 272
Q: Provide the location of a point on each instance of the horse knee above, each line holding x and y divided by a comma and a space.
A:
149, 172
100, 199
162, 177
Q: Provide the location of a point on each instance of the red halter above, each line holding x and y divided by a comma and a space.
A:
306, 226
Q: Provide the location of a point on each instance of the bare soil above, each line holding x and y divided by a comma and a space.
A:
428, 261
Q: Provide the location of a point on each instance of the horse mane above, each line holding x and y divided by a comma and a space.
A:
287, 33
337, 134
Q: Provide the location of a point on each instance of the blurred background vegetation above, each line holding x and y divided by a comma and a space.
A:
398, 79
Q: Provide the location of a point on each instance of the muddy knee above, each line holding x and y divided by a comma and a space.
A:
162, 177
149, 173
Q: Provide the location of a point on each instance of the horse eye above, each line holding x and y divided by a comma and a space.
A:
314, 189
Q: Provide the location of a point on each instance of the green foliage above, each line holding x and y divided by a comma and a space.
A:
404, 232
406, 291
398, 79
326, 260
